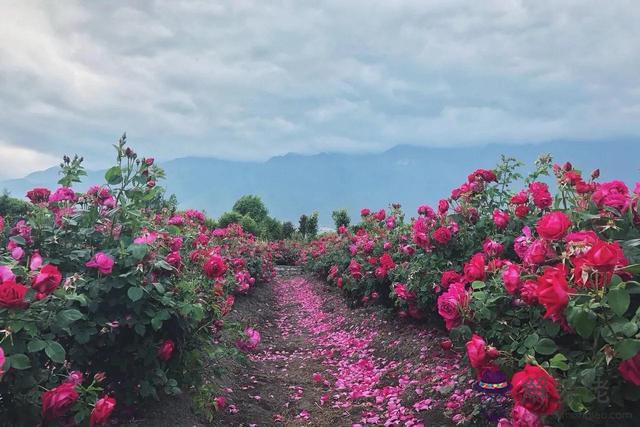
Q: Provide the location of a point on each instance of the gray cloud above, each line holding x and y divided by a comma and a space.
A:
253, 79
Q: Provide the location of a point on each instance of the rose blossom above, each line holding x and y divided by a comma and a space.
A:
101, 411
166, 350
553, 292
214, 267
57, 401
475, 268
500, 219
553, 225
101, 261
476, 351
535, 390
511, 278
12, 294
47, 279
452, 303
442, 235
629, 369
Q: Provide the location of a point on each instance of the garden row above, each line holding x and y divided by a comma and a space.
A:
537, 284
111, 296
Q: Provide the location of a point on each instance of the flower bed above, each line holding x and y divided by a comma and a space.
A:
111, 295
540, 286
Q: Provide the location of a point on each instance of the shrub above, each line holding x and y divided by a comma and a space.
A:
104, 298
541, 286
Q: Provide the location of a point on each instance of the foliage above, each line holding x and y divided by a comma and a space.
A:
252, 206
340, 218
542, 287
111, 295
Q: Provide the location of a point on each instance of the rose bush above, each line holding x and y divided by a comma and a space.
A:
539, 285
107, 296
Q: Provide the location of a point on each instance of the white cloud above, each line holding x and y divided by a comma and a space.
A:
251, 79
19, 161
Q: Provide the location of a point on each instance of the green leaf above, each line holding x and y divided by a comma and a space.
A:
546, 346
70, 316
156, 323
587, 377
630, 329
628, 348
55, 351
19, 361
140, 329
135, 293
113, 175
478, 285
18, 239
584, 321
138, 251
36, 345
559, 361
618, 300
531, 340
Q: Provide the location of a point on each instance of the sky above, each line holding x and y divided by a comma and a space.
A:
254, 79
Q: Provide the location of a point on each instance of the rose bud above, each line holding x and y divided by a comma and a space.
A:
595, 173
446, 344
492, 352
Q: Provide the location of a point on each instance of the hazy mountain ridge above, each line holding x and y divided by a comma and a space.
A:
293, 184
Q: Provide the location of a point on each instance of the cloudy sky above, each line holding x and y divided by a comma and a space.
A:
252, 79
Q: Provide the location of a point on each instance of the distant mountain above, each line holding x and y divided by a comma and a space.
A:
294, 184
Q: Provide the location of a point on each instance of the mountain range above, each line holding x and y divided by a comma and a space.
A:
294, 184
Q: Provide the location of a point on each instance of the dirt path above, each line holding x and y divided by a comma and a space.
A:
321, 363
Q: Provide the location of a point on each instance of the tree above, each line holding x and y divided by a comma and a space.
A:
287, 230
229, 218
340, 218
270, 229
302, 225
251, 205
312, 225
249, 225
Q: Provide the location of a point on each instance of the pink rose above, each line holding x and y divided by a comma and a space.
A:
101, 261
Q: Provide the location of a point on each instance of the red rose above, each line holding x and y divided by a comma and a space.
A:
538, 252
174, 259
165, 350
535, 389
540, 194
442, 235
443, 206
214, 267
613, 194
452, 304
12, 294
500, 218
553, 291
605, 256
521, 211
475, 268
529, 292
446, 344
448, 277
57, 401
102, 410
520, 198
47, 280
476, 351
39, 195
386, 262
511, 278
365, 212
630, 369
553, 225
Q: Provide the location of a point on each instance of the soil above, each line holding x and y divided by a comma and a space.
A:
321, 363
